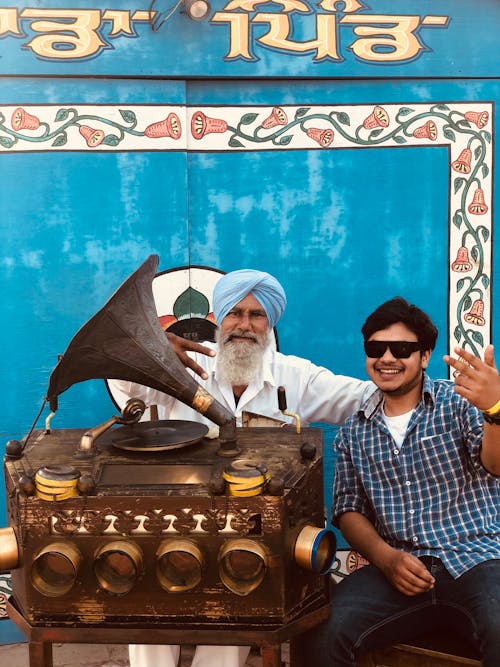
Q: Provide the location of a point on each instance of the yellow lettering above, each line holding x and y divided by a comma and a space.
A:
120, 21
77, 39
325, 43
239, 33
8, 22
396, 37
349, 5
249, 5
435, 20
142, 15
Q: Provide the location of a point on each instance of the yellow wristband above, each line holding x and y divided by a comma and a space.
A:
494, 409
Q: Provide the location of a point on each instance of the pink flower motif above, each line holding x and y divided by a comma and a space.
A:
427, 131
277, 117
475, 315
378, 118
323, 137
202, 125
479, 118
462, 263
22, 120
477, 205
170, 127
462, 163
91, 136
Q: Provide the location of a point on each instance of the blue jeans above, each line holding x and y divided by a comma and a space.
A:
369, 613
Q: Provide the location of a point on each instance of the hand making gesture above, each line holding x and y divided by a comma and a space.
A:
181, 346
476, 380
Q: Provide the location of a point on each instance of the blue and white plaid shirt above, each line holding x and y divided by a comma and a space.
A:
431, 496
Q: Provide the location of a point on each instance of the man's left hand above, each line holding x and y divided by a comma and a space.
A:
476, 380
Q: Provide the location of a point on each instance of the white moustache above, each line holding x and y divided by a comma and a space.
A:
240, 334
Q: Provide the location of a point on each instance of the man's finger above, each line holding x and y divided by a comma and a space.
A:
190, 363
459, 365
419, 574
409, 588
179, 343
201, 349
466, 360
489, 356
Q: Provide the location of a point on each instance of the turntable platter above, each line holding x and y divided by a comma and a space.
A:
158, 436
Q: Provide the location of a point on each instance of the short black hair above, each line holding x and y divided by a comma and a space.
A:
399, 310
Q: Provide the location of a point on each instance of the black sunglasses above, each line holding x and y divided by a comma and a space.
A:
400, 349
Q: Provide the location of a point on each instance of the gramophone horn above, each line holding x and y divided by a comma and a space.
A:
124, 340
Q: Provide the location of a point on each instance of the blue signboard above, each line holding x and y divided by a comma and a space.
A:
248, 38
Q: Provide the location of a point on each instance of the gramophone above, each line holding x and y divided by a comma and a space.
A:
150, 522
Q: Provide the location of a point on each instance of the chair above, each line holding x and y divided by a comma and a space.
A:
431, 650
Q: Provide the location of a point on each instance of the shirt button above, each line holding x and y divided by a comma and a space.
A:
396, 452
408, 483
412, 511
415, 539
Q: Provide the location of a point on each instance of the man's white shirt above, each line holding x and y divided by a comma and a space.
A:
313, 392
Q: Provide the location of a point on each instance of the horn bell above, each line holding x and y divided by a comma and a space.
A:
124, 340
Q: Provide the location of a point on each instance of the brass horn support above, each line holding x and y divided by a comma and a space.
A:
131, 413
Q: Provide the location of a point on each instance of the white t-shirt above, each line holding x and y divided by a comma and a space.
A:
313, 392
398, 425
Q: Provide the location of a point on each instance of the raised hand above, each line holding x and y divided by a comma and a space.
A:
476, 380
181, 347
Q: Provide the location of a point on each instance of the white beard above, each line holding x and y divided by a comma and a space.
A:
240, 363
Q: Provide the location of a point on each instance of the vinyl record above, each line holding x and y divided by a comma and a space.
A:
159, 435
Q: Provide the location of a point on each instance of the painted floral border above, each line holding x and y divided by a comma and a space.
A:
5, 592
465, 128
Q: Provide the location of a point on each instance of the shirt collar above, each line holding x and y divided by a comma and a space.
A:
267, 367
374, 403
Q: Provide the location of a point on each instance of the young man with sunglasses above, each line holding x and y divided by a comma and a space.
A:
417, 492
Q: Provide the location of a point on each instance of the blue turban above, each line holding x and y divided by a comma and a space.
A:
235, 286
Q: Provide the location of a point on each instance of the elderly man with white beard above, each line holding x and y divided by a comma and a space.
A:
243, 374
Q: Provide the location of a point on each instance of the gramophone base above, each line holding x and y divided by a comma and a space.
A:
41, 638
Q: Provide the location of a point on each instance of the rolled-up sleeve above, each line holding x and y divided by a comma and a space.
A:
348, 491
